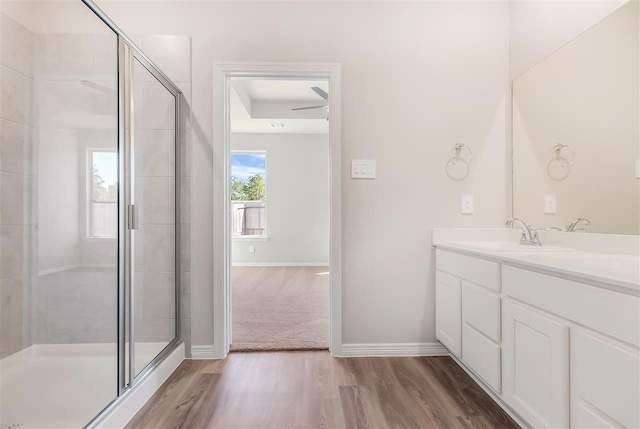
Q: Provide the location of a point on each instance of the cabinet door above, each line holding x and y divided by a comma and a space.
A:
448, 314
605, 382
535, 366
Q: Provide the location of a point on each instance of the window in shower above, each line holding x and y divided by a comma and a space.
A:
103, 193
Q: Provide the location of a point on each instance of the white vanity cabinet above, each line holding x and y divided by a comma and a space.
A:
557, 352
585, 338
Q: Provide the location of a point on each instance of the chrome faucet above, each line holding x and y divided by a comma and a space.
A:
529, 235
572, 226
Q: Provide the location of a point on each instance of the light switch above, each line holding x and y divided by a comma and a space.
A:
252, 249
467, 204
550, 203
363, 168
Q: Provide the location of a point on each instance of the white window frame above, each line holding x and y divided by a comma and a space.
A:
90, 201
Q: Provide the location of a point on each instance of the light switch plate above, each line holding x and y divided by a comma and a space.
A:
252, 249
550, 204
363, 168
467, 204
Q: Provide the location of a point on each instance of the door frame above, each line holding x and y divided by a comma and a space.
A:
221, 264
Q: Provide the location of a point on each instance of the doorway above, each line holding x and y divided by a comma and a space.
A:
279, 167
278, 228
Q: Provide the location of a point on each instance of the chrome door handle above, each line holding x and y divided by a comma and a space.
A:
133, 217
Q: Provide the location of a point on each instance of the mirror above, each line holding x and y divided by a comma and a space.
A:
576, 131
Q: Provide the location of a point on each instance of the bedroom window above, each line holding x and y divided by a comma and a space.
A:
248, 193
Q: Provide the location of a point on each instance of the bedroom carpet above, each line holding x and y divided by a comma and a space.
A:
280, 308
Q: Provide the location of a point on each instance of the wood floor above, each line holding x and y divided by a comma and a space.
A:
314, 390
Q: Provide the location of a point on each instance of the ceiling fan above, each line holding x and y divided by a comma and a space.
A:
322, 93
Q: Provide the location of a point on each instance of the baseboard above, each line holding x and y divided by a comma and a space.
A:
133, 400
203, 352
280, 264
496, 398
393, 349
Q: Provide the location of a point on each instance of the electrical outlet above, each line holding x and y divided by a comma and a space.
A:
252, 249
550, 204
467, 204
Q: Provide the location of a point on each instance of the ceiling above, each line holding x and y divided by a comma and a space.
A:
264, 106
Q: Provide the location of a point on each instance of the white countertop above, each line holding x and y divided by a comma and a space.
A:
616, 272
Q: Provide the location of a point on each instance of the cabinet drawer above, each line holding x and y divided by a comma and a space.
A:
481, 309
479, 271
607, 311
482, 355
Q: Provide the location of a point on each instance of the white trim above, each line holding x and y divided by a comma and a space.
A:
202, 352
139, 394
393, 349
280, 264
250, 238
496, 398
221, 264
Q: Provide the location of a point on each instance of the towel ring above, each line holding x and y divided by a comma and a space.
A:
456, 152
559, 147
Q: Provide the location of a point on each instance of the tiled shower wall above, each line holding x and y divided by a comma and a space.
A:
16, 185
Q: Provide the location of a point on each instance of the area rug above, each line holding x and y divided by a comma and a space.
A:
280, 308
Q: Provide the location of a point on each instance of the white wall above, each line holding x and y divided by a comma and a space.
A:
297, 199
416, 79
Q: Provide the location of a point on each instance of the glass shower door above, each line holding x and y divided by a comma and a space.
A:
153, 194
59, 217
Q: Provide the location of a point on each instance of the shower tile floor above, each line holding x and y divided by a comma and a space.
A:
61, 385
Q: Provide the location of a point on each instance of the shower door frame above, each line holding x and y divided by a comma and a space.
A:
128, 52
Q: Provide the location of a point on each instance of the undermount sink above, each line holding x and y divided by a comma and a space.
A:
510, 246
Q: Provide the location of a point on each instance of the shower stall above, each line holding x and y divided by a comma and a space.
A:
89, 219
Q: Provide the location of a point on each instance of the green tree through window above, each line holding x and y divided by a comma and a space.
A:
248, 177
